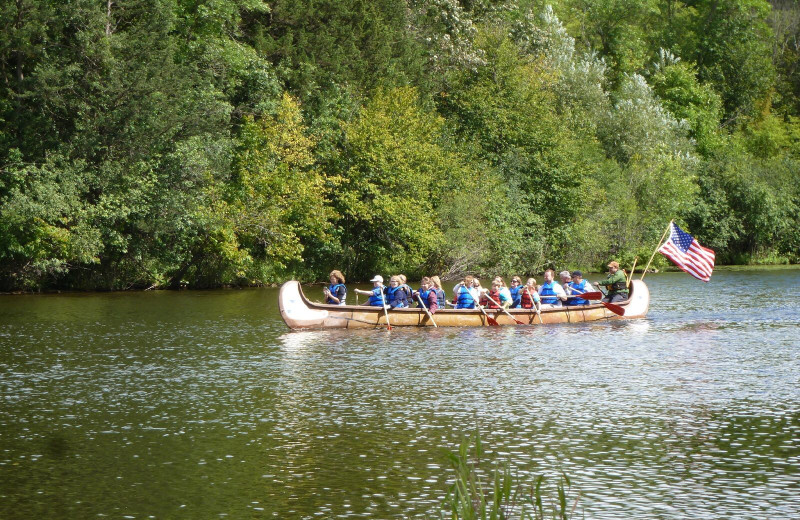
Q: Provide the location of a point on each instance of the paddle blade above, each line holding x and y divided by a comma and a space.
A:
515, 319
616, 309
594, 295
492, 321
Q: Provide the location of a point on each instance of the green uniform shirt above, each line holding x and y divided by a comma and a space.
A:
619, 276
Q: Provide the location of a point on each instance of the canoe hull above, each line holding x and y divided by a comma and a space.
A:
300, 313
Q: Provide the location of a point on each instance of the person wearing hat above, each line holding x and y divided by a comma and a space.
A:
577, 286
376, 295
616, 283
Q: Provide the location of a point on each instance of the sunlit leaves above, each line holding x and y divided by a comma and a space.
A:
278, 198
395, 169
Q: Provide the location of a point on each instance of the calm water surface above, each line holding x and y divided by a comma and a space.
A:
204, 405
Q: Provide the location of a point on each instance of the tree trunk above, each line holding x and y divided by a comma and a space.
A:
109, 28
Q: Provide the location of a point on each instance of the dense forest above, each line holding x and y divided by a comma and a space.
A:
166, 143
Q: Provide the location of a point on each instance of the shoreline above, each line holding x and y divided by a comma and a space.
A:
671, 269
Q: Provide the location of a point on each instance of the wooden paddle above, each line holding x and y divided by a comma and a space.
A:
538, 309
613, 307
426, 310
489, 319
385, 312
502, 309
616, 309
593, 295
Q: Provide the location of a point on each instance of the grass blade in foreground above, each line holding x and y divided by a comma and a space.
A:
501, 496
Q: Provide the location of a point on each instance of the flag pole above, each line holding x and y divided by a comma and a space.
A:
669, 226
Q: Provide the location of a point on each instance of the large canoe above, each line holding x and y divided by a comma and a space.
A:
300, 313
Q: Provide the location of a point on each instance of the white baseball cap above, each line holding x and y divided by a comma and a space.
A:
378, 278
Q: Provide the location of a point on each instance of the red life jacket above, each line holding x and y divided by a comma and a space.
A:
494, 303
526, 302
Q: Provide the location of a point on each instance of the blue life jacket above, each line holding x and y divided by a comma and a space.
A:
516, 296
580, 289
423, 295
376, 298
547, 290
407, 295
441, 298
465, 299
333, 288
396, 297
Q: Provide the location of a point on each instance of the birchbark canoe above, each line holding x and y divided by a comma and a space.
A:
300, 313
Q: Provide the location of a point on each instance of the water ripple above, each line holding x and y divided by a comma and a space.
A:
203, 404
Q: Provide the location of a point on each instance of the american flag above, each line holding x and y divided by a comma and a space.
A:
687, 253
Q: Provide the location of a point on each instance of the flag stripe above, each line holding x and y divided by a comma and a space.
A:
704, 275
701, 261
687, 253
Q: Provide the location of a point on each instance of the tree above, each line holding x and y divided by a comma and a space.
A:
395, 173
45, 225
784, 19
675, 83
734, 52
617, 29
278, 200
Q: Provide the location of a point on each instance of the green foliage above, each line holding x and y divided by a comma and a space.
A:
394, 172
159, 143
278, 200
317, 45
45, 228
784, 20
746, 206
617, 28
675, 83
509, 110
733, 52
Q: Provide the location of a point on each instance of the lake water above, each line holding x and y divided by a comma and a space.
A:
204, 405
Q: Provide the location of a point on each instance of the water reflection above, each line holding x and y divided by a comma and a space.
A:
299, 341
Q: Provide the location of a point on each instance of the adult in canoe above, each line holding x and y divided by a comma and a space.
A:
578, 286
565, 278
552, 293
463, 296
617, 284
